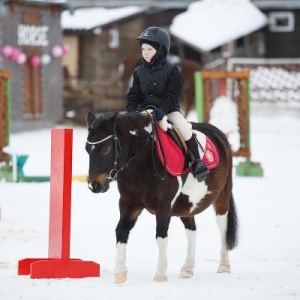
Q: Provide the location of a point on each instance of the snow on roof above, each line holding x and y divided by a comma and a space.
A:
208, 24
88, 18
42, 1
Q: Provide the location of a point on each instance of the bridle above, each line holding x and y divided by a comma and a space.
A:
101, 141
118, 152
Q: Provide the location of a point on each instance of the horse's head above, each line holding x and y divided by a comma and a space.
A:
113, 141
101, 151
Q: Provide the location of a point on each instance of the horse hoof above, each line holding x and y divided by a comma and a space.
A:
120, 278
186, 274
160, 278
224, 269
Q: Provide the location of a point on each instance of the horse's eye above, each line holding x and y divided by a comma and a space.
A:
105, 150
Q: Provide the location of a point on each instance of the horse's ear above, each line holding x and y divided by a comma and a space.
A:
90, 118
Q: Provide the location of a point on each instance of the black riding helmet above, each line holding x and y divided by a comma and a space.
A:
156, 35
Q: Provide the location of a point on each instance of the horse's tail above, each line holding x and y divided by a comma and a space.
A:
232, 225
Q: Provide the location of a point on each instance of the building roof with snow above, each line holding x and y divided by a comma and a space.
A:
39, 2
209, 24
89, 18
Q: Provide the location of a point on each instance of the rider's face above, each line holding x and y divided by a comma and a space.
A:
147, 52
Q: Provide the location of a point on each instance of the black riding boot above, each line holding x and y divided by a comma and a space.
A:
199, 168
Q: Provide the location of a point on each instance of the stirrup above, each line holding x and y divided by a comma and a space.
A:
199, 170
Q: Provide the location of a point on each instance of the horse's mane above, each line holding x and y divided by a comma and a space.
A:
132, 119
130, 128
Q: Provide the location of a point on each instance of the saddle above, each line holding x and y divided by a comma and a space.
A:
174, 154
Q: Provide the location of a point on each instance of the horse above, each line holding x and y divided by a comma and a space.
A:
187, 67
120, 147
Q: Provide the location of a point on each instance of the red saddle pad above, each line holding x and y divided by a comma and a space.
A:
171, 155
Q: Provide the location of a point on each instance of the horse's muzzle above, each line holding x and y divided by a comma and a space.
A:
98, 187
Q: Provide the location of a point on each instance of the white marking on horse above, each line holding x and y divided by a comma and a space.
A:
224, 266
195, 190
162, 257
178, 191
187, 269
121, 258
148, 128
93, 147
133, 132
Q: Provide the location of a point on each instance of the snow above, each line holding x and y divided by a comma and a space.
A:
208, 24
88, 18
265, 265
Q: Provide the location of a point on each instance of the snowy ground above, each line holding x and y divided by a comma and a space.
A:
266, 264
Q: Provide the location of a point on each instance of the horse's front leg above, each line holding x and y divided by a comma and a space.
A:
187, 269
162, 226
126, 223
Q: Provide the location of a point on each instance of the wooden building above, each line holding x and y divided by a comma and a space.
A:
282, 34
98, 49
95, 50
31, 50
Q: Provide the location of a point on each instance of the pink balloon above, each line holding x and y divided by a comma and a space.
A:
65, 49
57, 51
22, 58
35, 61
7, 50
15, 54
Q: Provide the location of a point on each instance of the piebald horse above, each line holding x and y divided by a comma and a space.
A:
121, 146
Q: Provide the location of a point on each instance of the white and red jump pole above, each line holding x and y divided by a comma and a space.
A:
58, 264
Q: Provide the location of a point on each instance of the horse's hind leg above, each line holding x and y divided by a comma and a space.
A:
224, 265
126, 223
187, 269
228, 226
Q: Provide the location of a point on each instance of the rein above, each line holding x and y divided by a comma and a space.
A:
148, 110
161, 177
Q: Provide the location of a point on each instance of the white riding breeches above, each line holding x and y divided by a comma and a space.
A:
183, 126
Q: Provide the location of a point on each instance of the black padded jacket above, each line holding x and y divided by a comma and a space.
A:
159, 85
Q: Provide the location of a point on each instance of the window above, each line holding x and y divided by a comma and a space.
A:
113, 41
281, 21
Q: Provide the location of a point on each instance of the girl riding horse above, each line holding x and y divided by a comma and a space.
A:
159, 83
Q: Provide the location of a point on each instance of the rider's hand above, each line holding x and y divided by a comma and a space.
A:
159, 114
